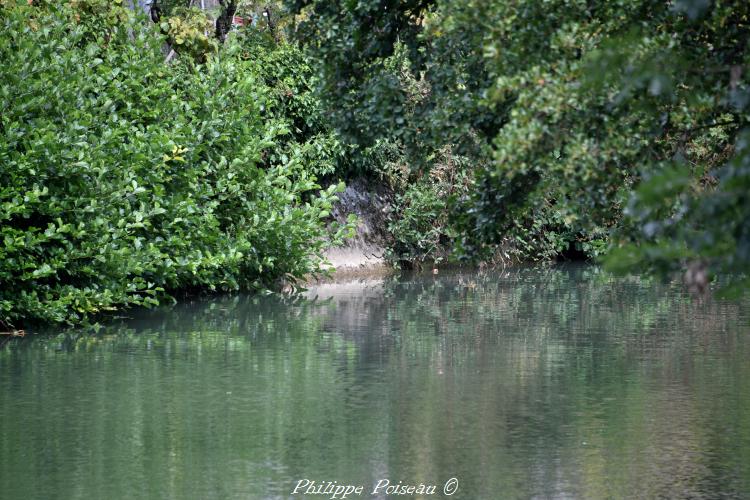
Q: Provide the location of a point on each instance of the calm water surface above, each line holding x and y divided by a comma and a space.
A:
536, 383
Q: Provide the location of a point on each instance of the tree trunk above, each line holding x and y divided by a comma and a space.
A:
269, 20
224, 21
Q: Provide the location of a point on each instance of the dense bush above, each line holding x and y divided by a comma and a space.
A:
125, 179
421, 86
422, 225
611, 127
288, 74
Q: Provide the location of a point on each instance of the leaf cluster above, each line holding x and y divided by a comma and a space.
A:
127, 181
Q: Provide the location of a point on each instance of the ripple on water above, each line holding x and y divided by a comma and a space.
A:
556, 382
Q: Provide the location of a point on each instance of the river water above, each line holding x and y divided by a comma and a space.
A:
556, 382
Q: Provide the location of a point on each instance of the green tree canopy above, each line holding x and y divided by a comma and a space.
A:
620, 125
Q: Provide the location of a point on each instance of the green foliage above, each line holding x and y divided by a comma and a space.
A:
100, 16
690, 206
424, 228
288, 73
426, 92
167, 8
617, 124
126, 180
386, 75
190, 32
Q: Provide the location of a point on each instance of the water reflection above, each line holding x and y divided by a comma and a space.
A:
535, 383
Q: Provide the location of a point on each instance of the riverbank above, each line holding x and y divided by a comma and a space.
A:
365, 253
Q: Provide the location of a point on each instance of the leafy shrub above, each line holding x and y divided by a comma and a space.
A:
424, 228
126, 180
290, 78
188, 30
